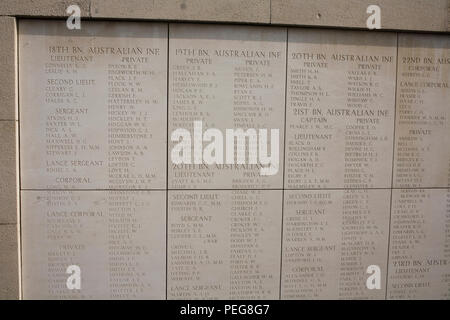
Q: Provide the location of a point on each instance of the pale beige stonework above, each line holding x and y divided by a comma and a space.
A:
419, 265
422, 155
330, 237
332, 72
117, 238
218, 249
92, 107
340, 114
208, 81
426, 209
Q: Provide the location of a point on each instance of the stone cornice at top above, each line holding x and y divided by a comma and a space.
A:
412, 15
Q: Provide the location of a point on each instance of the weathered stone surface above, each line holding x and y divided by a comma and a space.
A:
418, 248
448, 15
233, 78
95, 118
399, 14
422, 157
116, 238
330, 237
340, 109
196, 10
224, 244
94, 103
9, 262
8, 172
8, 78
42, 8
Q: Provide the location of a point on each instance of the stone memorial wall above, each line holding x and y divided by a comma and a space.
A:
363, 176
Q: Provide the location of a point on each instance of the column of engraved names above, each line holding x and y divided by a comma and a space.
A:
129, 245
330, 237
227, 80
364, 233
99, 109
250, 110
131, 122
107, 234
223, 244
340, 106
192, 87
67, 90
422, 121
419, 253
62, 229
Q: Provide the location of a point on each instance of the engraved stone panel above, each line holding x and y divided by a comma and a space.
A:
340, 109
93, 105
422, 132
224, 244
228, 77
330, 237
419, 248
365, 184
117, 238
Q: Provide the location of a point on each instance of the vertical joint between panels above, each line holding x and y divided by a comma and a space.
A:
284, 161
167, 158
392, 168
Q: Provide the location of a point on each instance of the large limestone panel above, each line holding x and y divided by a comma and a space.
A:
116, 238
227, 77
339, 109
93, 105
330, 238
419, 255
224, 244
422, 131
